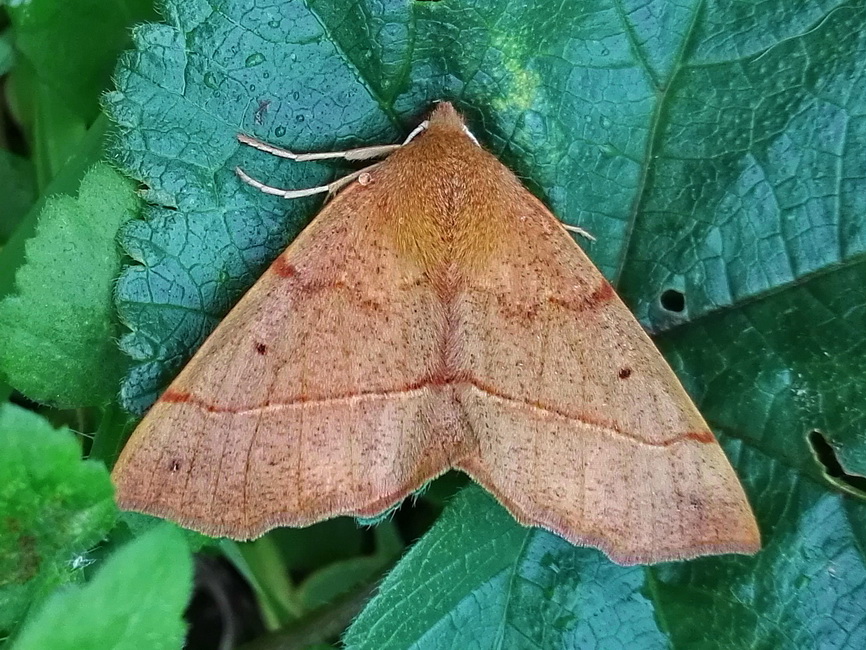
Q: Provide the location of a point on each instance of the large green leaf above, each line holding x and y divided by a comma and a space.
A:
774, 370
713, 151
479, 580
58, 329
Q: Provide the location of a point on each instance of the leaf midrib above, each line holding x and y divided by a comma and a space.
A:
652, 137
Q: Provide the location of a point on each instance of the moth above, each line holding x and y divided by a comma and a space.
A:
436, 315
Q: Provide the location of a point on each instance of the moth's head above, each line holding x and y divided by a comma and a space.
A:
446, 120
446, 117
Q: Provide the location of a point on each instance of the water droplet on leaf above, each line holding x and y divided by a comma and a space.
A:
255, 59
280, 131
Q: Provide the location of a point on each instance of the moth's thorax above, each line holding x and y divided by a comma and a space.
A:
444, 197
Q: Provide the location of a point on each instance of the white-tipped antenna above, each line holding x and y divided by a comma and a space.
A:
361, 153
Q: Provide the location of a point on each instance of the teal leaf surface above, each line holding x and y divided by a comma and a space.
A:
480, 580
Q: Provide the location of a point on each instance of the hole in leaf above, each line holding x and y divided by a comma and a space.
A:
832, 468
673, 300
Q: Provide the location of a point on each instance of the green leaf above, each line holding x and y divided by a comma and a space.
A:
480, 580
18, 189
333, 580
67, 181
72, 46
7, 53
328, 552
714, 150
59, 329
53, 508
259, 562
773, 370
65, 53
140, 525
136, 600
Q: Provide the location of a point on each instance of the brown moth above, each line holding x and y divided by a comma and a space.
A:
436, 315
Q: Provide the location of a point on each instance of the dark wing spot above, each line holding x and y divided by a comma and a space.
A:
261, 348
624, 373
282, 268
